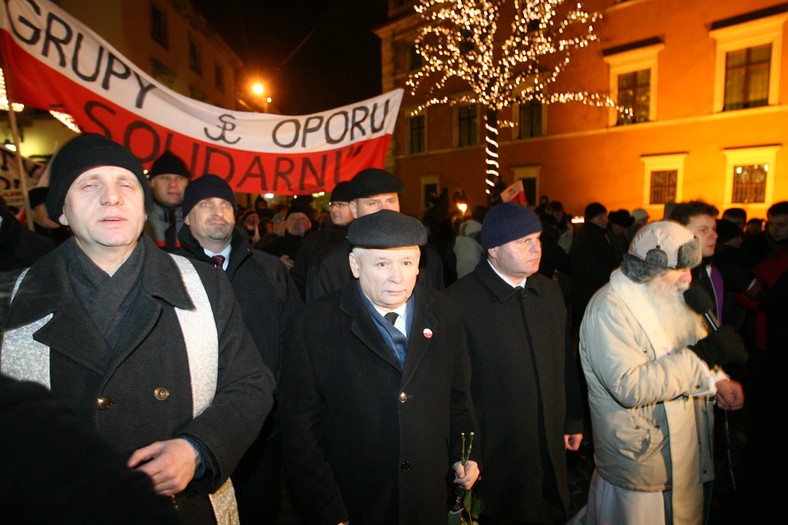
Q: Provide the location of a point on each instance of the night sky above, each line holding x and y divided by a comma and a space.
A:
338, 64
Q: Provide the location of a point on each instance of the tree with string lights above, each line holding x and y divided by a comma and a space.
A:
467, 59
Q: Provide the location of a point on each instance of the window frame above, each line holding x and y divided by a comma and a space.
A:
662, 162
761, 31
518, 119
747, 156
474, 128
409, 133
631, 61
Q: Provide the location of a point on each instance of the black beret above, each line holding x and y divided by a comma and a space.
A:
341, 192
208, 186
386, 229
169, 163
373, 181
81, 154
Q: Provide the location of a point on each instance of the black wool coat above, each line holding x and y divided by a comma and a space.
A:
266, 294
521, 399
363, 439
150, 355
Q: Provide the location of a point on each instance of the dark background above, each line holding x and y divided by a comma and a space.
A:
312, 55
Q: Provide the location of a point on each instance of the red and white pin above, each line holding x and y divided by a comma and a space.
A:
427, 333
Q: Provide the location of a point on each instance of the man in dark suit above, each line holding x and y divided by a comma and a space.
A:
373, 390
525, 385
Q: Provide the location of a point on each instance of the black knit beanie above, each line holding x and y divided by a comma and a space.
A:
81, 154
169, 163
206, 187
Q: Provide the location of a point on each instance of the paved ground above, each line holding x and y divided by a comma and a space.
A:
729, 502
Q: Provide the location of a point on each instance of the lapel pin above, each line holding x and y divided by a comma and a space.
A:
427, 333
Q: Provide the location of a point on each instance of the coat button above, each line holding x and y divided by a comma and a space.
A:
103, 403
403, 397
404, 466
161, 393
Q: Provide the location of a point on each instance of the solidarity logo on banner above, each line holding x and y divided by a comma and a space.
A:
52, 61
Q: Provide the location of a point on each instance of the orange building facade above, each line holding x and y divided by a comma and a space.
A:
706, 80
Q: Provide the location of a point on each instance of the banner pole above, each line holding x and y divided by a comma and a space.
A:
19, 162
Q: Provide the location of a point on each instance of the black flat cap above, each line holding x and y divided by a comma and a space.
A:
373, 181
387, 229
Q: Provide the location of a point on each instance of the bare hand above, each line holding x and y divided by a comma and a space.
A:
287, 261
730, 395
573, 441
169, 464
466, 475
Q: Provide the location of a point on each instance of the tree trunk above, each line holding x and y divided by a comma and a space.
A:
494, 184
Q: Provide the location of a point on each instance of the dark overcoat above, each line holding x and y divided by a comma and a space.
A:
268, 298
363, 439
516, 394
120, 390
266, 294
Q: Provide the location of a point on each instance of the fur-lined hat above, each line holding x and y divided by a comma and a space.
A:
658, 247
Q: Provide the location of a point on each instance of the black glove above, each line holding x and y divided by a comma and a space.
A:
723, 347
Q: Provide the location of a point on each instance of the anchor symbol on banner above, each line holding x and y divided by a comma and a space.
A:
226, 126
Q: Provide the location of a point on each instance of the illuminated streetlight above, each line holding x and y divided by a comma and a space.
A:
258, 89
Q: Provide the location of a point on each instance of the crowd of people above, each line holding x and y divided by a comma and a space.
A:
200, 359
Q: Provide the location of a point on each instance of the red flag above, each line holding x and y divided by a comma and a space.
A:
514, 194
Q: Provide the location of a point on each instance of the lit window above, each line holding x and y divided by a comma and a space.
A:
749, 183
750, 175
748, 60
747, 77
663, 179
466, 126
634, 94
633, 80
663, 186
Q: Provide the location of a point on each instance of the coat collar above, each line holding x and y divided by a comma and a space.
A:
363, 327
502, 290
47, 287
239, 242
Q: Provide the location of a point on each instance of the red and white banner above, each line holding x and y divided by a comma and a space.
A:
52, 61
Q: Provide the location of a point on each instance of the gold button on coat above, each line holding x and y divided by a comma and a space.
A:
161, 393
403, 397
103, 403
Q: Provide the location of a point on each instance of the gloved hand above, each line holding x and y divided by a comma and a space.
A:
723, 347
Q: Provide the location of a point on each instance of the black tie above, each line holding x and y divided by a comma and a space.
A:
391, 317
218, 260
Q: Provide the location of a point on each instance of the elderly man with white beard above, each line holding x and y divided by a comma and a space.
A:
652, 372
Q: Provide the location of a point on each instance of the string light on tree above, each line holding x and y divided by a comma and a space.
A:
461, 44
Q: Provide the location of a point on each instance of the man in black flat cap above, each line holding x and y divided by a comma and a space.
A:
168, 179
372, 190
145, 346
374, 396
